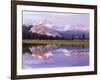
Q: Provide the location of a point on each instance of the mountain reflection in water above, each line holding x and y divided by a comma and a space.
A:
44, 56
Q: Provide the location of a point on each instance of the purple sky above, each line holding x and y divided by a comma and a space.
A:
64, 20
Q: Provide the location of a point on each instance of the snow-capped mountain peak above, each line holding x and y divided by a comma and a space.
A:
43, 27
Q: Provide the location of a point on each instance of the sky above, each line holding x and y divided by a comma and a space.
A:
61, 21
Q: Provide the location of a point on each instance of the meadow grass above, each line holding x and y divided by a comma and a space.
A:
68, 42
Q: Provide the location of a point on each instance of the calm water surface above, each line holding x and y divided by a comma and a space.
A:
46, 56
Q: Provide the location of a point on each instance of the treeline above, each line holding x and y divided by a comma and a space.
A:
29, 35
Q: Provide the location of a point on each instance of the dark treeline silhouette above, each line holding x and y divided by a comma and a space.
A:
29, 35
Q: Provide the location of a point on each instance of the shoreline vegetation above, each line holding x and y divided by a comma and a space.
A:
59, 42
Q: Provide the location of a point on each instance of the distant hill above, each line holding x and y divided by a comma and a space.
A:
70, 33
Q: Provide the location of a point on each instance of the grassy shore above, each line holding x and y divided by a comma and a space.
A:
68, 42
